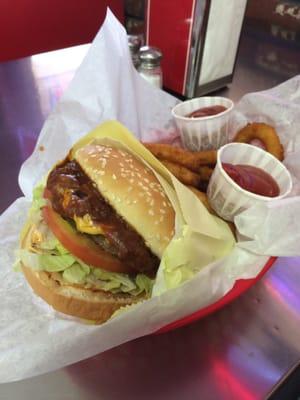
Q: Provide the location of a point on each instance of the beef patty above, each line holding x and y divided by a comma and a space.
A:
73, 194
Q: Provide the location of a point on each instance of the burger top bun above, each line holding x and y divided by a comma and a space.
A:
133, 190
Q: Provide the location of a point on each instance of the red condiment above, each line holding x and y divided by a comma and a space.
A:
206, 111
252, 179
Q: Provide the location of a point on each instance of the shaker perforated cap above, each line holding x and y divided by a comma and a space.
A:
150, 56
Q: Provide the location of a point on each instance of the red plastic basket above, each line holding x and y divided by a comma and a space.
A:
240, 287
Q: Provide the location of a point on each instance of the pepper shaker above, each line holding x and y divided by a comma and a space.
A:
150, 68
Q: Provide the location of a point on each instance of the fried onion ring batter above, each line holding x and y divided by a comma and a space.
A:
188, 159
263, 132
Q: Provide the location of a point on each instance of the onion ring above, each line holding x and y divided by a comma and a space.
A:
183, 174
263, 132
205, 173
188, 159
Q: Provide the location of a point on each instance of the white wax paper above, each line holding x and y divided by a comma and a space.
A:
35, 339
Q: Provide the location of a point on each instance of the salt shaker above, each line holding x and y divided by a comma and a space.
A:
149, 67
134, 43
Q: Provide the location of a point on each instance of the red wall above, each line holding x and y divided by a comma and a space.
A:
33, 26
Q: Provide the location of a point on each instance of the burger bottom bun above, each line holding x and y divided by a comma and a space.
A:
77, 301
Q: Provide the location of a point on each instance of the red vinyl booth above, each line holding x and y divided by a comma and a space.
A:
33, 26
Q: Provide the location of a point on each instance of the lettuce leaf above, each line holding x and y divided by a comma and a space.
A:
75, 271
46, 262
51, 256
75, 274
37, 200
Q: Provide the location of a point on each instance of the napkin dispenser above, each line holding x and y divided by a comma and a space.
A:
199, 40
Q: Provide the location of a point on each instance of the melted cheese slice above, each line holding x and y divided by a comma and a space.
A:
85, 224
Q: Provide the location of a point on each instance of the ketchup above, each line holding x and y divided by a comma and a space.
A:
206, 111
252, 179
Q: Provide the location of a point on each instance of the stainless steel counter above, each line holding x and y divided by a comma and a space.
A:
239, 353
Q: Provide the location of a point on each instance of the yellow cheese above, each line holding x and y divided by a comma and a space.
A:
36, 236
85, 224
35, 239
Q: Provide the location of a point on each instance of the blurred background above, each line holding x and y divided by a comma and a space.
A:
258, 38
204, 42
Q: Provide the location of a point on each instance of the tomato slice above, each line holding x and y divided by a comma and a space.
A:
81, 246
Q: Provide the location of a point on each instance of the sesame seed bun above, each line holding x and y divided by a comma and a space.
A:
136, 195
132, 190
75, 300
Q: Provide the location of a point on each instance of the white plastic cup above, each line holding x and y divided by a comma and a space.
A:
226, 197
203, 133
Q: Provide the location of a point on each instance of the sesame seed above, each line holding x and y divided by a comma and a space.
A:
114, 177
150, 212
